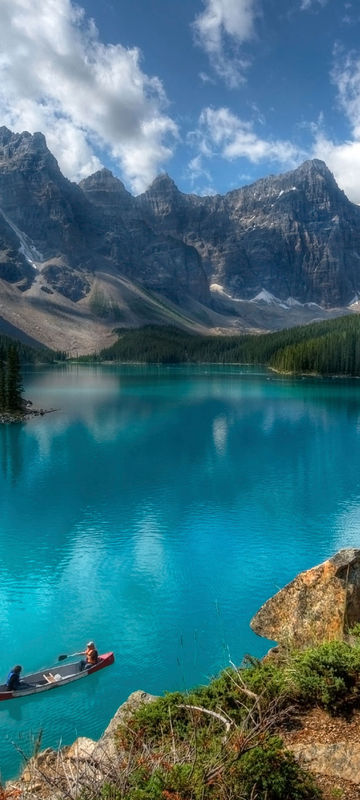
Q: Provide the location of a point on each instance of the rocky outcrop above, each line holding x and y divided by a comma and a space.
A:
85, 764
339, 760
320, 604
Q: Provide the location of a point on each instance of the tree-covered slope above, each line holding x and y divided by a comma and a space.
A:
331, 347
28, 354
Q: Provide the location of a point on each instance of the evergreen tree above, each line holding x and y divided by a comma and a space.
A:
14, 387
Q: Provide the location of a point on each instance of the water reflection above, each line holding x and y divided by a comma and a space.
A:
159, 507
11, 451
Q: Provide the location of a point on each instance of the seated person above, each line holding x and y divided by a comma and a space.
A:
91, 654
13, 679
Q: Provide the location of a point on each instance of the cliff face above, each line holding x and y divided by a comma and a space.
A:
39, 202
162, 263
94, 226
294, 235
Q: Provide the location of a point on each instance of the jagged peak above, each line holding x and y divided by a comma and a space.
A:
314, 165
5, 134
24, 141
103, 178
162, 181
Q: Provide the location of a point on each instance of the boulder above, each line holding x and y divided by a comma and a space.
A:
83, 747
320, 604
106, 748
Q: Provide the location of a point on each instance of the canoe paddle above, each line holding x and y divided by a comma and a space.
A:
64, 655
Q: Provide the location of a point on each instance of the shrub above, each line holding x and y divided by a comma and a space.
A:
273, 773
327, 675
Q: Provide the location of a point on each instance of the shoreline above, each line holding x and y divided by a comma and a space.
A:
9, 417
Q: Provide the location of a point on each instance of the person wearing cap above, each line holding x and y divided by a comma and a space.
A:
91, 655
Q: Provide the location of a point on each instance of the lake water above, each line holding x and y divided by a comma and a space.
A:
154, 512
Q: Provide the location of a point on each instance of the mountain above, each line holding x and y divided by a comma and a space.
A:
78, 260
295, 235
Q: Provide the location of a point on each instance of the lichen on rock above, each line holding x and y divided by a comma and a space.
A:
320, 604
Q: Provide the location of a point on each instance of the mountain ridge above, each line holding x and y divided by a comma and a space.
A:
94, 253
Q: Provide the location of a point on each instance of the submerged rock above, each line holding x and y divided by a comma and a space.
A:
320, 604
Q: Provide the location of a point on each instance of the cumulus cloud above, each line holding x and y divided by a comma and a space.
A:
58, 77
220, 29
344, 158
221, 132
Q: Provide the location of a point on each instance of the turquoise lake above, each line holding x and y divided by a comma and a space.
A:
154, 512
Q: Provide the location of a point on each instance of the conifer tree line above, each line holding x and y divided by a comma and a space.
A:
11, 387
330, 347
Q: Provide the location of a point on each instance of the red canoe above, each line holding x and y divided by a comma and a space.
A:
53, 677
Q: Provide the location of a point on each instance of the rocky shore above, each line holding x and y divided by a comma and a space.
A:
10, 417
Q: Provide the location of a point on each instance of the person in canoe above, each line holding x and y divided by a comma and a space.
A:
13, 681
91, 654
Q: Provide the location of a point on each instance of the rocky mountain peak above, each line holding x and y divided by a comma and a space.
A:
162, 183
25, 151
5, 135
103, 180
162, 198
313, 165
315, 170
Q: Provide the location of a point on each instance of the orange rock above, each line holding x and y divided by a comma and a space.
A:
320, 604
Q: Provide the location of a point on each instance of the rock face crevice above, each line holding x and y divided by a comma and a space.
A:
320, 604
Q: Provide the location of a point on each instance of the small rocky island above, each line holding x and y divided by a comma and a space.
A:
283, 727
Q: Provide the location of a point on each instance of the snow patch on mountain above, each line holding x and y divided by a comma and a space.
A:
263, 297
27, 247
266, 297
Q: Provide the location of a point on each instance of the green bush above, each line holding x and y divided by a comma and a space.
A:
273, 773
268, 770
185, 754
327, 675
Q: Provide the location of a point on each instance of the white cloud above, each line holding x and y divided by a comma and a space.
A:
221, 27
344, 158
346, 76
196, 171
221, 132
58, 77
306, 4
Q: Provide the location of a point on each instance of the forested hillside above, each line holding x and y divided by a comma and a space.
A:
28, 354
331, 347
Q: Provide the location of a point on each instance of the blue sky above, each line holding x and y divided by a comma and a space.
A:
215, 92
